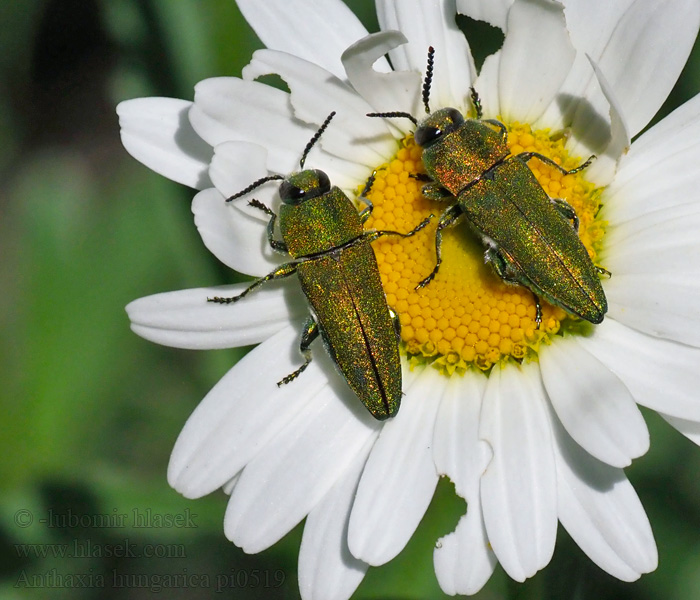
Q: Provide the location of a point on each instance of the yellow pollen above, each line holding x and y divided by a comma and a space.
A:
467, 316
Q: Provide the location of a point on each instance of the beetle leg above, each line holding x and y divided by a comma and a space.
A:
310, 333
449, 217
500, 264
526, 156
278, 245
420, 177
370, 236
503, 269
368, 184
566, 210
601, 271
434, 191
397, 323
501, 126
538, 310
280, 272
367, 211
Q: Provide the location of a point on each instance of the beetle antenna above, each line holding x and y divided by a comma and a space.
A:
315, 139
392, 115
428, 80
255, 184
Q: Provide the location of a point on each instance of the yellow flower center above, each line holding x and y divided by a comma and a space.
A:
467, 316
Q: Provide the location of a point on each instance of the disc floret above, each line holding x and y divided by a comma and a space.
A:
467, 317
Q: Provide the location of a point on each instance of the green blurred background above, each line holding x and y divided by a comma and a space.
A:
90, 411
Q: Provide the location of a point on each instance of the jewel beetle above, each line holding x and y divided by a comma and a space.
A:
332, 257
530, 239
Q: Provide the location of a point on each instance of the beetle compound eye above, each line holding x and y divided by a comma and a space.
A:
324, 184
427, 135
291, 194
456, 117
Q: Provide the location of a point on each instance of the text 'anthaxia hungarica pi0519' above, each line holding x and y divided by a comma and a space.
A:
530, 238
332, 256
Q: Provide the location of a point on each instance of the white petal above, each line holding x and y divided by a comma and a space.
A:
663, 305
535, 59
298, 467
314, 94
655, 263
486, 85
157, 132
594, 406
618, 36
463, 559
236, 165
431, 23
237, 239
494, 12
662, 168
601, 511
690, 429
227, 488
229, 109
458, 451
400, 477
661, 375
315, 31
518, 489
580, 103
241, 414
658, 243
640, 45
385, 92
185, 319
580, 108
605, 166
327, 570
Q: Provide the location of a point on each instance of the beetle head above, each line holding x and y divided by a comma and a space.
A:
436, 125
305, 185
297, 187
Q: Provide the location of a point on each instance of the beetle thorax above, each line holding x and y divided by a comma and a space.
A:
463, 155
320, 223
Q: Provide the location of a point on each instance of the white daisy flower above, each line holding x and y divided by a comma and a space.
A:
533, 426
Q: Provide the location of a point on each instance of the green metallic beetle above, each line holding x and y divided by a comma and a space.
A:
529, 236
332, 256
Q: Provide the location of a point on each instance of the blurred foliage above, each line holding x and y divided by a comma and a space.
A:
91, 411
